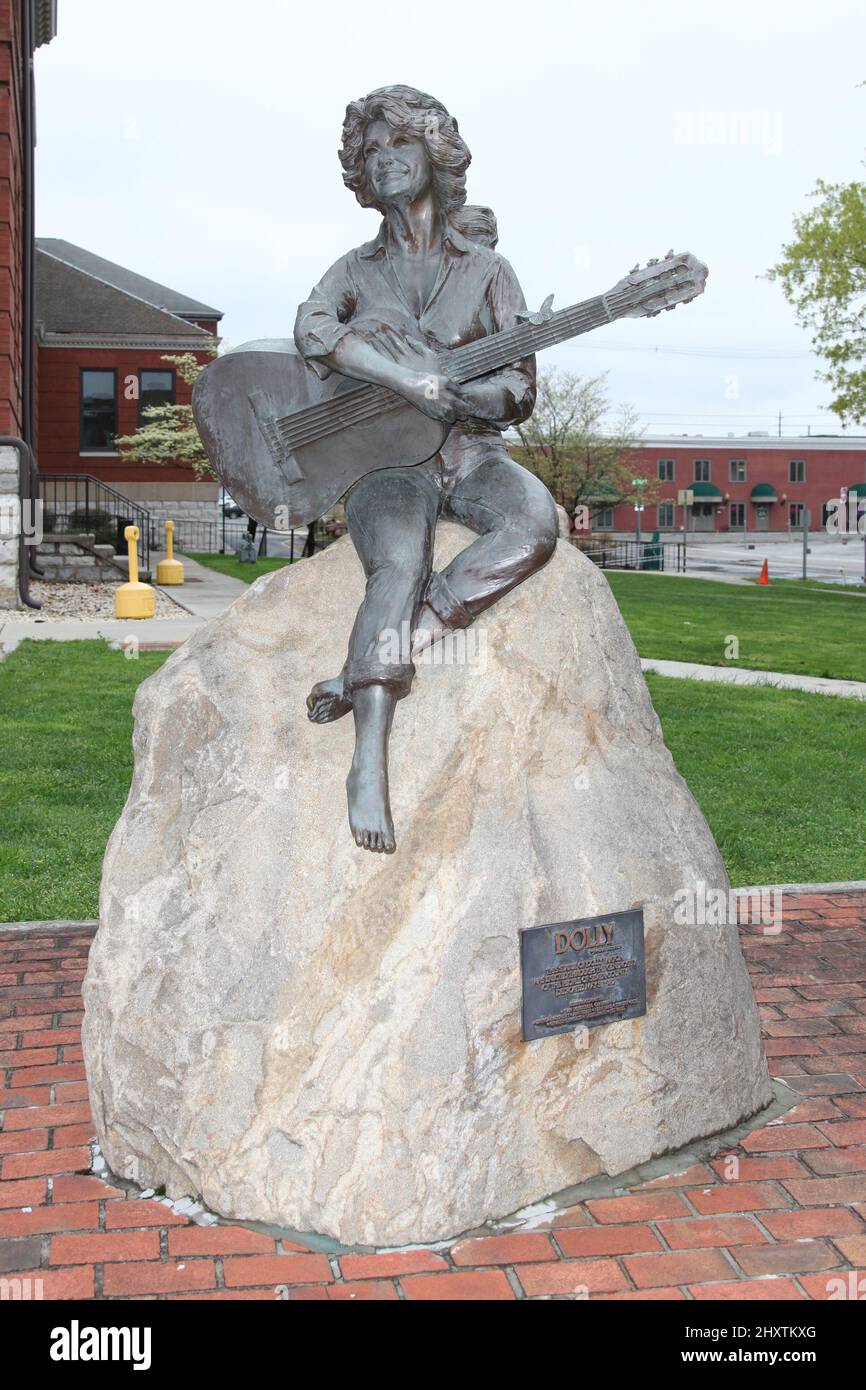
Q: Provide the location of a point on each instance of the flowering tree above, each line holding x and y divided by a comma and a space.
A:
168, 433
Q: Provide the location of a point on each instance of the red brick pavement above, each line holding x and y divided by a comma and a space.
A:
782, 1216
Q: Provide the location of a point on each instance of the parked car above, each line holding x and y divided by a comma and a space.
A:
231, 508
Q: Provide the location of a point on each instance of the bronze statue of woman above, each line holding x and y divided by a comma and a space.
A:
430, 281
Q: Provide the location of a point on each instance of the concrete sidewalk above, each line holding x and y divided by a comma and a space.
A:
206, 593
738, 675
204, 596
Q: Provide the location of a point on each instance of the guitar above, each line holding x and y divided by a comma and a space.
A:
287, 445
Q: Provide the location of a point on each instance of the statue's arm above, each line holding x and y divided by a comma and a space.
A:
323, 320
377, 353
326, 337
505, 397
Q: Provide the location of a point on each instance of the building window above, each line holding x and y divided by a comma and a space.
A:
667, 470
702, 470
154, 388
797, 471
738, 516
796, 512
665, 516
738, 470
602, 519
98, 410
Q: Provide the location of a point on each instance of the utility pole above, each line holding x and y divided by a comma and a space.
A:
639, 484
807, 517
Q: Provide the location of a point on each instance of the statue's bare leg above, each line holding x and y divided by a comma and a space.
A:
328, 701
367, 783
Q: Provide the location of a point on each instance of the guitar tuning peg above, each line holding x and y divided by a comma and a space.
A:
668, 308
668, 254
654, 261
635, 268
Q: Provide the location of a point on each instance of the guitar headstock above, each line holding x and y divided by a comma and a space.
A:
660, 284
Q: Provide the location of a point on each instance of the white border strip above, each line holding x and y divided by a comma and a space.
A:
857, 885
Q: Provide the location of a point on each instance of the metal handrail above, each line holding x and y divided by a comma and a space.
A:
97, 496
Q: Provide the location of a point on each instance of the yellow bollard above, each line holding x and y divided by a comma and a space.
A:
170, 570
134, 600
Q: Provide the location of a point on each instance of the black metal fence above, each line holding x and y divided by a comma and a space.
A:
209, 536
215, 537
636, 555
78, 504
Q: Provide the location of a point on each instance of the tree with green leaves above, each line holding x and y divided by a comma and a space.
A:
580, 446
168, 433
823, 275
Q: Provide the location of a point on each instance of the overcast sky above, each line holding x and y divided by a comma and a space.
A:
195, 141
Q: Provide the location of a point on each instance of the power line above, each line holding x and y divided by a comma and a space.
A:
734, 414
749, 354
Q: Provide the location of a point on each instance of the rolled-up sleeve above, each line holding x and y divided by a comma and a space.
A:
517, 380
323, 319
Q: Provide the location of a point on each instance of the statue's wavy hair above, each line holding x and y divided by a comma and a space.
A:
422, 116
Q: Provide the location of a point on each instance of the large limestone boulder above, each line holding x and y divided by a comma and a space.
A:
303, 1032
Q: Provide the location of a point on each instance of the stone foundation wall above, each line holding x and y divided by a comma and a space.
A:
162, 511
10, 521
65, 562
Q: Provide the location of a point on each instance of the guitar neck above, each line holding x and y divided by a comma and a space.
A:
462, 364
488, 354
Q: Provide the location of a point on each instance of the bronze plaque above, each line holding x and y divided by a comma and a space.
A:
582, 973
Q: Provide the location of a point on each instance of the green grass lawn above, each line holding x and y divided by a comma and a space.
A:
228, 564
784, 627
65, 769
777, 773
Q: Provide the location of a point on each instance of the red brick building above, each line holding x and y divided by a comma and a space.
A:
23, 28
745, 484
25, 25
103, 333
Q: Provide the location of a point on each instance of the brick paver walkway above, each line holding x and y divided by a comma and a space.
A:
782, 1216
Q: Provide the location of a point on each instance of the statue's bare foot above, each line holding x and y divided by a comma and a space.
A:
428, 630
326, 701
369, 807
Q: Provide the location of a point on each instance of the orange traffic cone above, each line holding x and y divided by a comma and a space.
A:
764, 576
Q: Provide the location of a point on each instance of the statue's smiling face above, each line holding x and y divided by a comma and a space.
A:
396, 164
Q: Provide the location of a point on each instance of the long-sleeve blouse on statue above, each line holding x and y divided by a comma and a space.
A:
476, 293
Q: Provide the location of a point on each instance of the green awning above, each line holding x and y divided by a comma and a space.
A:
858, 489
764, 492
603, 492
705, 492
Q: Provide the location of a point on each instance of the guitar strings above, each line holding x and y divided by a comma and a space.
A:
316, 422
472, 360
